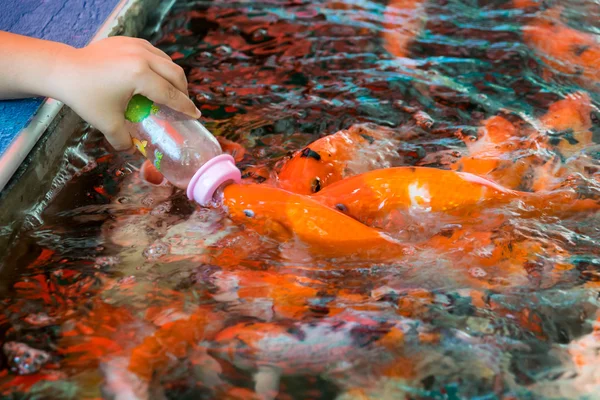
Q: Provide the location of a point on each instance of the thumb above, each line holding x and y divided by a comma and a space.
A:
110, 121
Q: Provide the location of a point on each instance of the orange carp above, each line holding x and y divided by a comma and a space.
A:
377, 193
404, 19
522, 158
570, 51
374, 195
284, 216
359, 149
285, 295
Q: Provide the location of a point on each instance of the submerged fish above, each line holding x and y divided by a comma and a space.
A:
404, 20
520, 157
285, 295
570, 51
325, 346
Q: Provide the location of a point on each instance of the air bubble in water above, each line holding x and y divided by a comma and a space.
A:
147, 201
223, 50
155, 251
477, 272
24, 360
107, 261
259, 35
162, 208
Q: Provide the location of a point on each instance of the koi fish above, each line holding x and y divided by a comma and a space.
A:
569, 123
285, 295
275, 349
348, 152
236, 150
570, 52
523, 159
403, 20
372, 196
173, 339
491, 154
499, 154
283, 216
88, 341
526, 4
375, 194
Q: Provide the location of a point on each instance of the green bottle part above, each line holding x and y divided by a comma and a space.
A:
139, 108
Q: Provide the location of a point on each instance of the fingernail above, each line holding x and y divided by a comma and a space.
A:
198, 113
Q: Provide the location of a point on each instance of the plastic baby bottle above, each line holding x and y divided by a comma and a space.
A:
181, 148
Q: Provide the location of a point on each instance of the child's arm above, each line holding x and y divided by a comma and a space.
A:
96, 81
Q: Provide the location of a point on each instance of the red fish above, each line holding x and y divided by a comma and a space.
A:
173, 339
348, 152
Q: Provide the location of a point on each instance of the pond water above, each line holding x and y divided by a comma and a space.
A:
121, 289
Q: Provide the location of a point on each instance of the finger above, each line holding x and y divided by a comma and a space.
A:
171, 72
155, 50
119, 138
150, 174
159, 90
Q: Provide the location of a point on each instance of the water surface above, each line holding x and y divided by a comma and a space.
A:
119, 286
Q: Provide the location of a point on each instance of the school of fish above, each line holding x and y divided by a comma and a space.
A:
280, 285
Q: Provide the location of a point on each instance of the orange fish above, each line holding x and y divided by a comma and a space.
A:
526, 4
173, 340
566, 134
94, 337
283, 216
287, 295
348, 152
523, 159
404, 19
373, 195
569, 51
499, 153
497, 136
570, 123
236, 150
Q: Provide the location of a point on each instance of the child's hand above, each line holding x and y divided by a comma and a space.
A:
98, 81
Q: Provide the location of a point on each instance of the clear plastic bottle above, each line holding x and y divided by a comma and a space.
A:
181, 148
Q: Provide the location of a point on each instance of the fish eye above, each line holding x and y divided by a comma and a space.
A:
316, 185
249, 213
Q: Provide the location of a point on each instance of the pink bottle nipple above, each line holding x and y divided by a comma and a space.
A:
211, 176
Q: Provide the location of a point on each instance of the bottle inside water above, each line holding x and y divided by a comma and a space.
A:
180, 148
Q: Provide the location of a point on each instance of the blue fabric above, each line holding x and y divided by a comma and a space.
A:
74, 22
